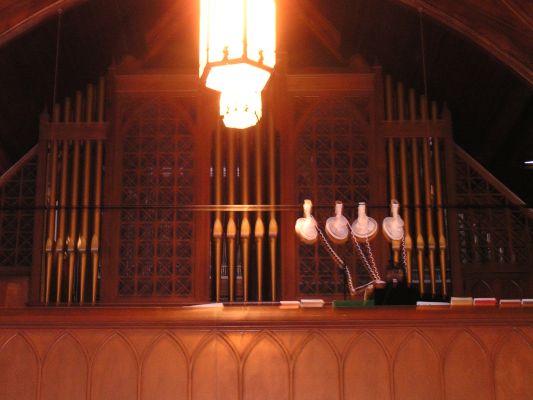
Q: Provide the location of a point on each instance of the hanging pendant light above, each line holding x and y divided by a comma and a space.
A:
237, 55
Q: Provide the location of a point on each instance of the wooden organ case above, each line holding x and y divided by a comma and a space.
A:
146, 198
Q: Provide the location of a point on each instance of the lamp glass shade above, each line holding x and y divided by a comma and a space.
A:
239, 109
237, 50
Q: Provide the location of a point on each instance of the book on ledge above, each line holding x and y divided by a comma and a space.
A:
432, 304
527, 303
206, 305
485, 301
510, 303
289, 304
461, 301
311, 303
352, 303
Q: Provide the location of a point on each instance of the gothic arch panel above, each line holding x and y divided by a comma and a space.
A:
467, 369
164, 372
513, 368
316, 371
64, 373
266, 371
416, 370
217, 364
366, 370
114, 371
18, 363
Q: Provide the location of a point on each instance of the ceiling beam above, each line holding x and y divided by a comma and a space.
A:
503, 28
320, 26
19, 16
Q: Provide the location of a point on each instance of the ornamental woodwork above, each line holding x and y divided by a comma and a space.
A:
324, 354
160, 158
17, 196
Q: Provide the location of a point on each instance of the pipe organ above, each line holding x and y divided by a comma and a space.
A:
415, 169
143, 196
245, 234
69, 191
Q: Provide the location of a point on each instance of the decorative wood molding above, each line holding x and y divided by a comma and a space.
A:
253, 317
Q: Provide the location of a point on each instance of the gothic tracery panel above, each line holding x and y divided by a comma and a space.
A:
17, 200
156, 221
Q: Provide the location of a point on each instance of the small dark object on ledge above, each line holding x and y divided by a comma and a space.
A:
396, 291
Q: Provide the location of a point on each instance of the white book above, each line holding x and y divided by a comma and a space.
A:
527, 302
289, 304
207, 305
432, 304
311, 303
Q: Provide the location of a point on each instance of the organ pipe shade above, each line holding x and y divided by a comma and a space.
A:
237, 55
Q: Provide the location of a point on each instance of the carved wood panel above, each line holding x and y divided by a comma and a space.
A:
384, 362
152, 243
494, 235
17, 200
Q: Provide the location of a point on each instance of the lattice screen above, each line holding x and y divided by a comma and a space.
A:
17, 200
156, 225
332, 164
490, 228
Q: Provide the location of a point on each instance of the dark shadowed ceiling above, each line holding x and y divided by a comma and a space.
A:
478, 63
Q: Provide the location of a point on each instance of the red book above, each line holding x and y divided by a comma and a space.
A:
485, 301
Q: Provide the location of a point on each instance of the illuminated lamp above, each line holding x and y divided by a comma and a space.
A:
237, 55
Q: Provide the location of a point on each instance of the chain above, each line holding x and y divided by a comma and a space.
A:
372, 261
339, 261
370, 266
404, 254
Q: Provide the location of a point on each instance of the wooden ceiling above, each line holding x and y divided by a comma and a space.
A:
479, 58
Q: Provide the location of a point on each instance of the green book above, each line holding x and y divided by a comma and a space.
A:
352, 303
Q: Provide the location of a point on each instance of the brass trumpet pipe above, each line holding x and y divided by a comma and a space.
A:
95, 241
388, 98
217, 227
245, 223
71, 247
272, 225
60, 244
231, 230
393, 192
259, 231
49, 247
408, 242
440, 211
429, 202
405, 188
82, 242
416, 185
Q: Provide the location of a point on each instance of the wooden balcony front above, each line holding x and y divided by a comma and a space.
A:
262, 352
